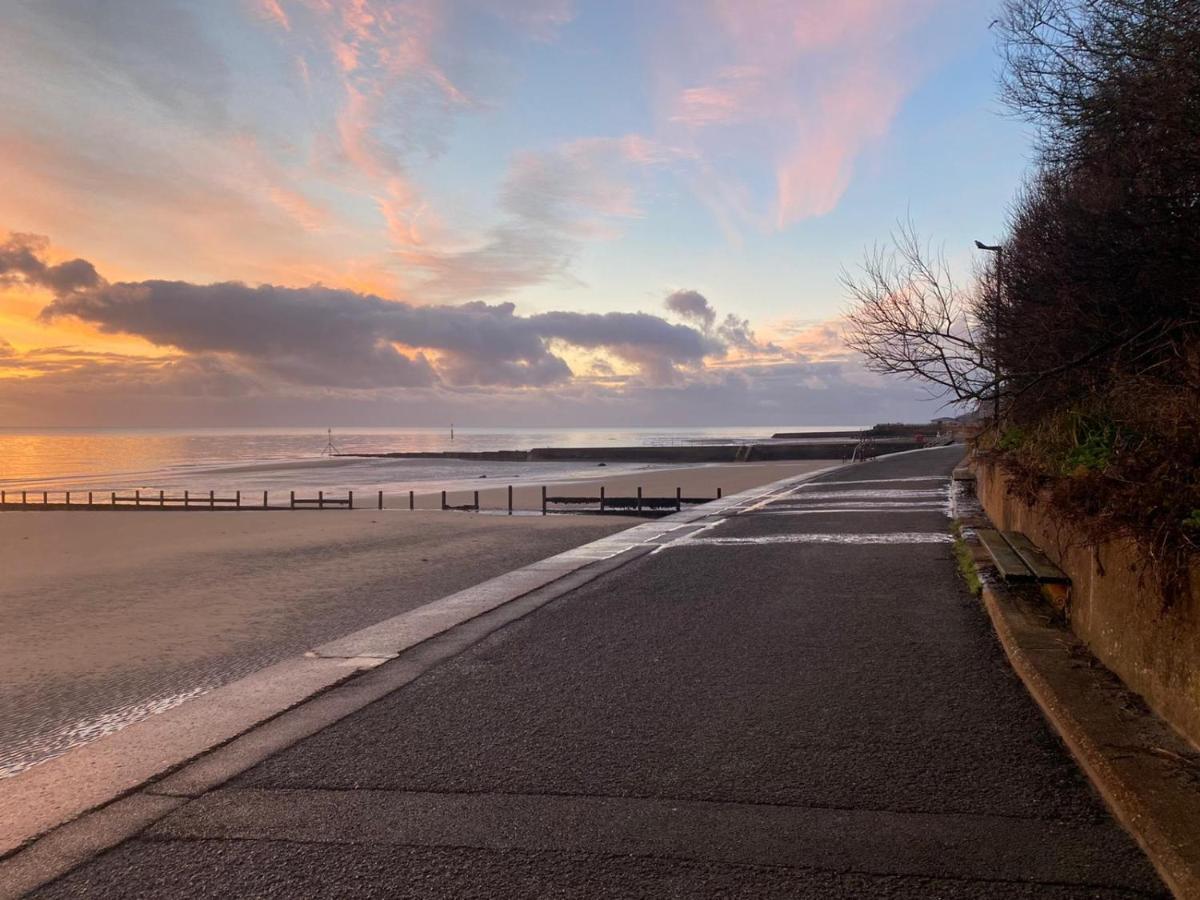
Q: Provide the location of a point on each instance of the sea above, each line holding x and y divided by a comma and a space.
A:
282, 459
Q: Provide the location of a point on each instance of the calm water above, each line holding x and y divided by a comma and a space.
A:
283, 459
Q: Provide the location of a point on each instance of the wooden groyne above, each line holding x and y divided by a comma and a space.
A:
161, 500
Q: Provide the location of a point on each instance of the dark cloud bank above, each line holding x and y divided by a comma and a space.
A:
315, 348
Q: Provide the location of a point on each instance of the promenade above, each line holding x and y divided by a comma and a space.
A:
797, 700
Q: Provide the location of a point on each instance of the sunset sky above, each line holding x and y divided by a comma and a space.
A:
521, 212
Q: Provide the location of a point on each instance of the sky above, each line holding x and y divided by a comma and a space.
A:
492, 212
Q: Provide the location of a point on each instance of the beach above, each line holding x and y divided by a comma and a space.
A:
113, 616
656, 481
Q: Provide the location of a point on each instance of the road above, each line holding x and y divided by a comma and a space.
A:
801, 700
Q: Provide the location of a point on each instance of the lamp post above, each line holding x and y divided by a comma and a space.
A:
998, 249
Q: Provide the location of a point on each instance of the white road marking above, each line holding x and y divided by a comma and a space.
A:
821, 508
895, 537
867, 495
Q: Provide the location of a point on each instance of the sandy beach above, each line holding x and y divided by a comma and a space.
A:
115, 615
694, 481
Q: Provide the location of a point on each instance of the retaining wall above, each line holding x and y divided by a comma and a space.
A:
1114, 605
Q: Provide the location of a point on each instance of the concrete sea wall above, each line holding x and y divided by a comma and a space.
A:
1114, 605
685, 453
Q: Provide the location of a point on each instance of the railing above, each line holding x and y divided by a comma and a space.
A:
602, 503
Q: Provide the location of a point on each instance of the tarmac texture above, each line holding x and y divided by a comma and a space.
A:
799, 700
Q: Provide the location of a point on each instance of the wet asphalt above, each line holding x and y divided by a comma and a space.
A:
801, 700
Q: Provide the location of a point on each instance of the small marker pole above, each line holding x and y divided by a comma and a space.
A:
510, 499
162, 498
443, 501
678, 499
477, 501
187, 499
292, 500
381, 499
264, 499
212, 499
718, 493
237, 499
601, 498
412, 501
22, 498
350, 500
320, 499
89, 498
639, 506
543, 499
114, 498
68, 498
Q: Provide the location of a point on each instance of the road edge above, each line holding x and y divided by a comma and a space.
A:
1144, 771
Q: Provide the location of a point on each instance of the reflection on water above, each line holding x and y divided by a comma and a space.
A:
282, 459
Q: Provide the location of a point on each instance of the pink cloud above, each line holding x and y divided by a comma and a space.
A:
804, 87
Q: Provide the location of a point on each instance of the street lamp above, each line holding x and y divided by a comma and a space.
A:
998, 249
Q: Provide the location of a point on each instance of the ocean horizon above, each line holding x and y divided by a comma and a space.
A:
258, 459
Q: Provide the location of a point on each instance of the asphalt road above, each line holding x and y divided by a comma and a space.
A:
801, 700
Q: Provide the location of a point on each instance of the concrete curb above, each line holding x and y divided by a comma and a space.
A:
68, 802
1148, 775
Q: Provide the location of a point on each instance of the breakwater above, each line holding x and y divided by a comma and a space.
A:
690, 453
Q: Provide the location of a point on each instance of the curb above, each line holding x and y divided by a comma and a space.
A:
1148, 775
97, 795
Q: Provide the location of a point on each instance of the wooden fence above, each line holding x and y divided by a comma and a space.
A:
34, 500
235, 500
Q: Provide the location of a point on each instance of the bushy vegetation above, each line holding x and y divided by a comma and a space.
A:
1081, 337
1093, 308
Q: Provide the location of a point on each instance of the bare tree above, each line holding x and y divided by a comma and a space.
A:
908, 318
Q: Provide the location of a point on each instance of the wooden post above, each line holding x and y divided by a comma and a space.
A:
350, 500
137, 498
477, 501
412, 501
320, 499
237, 499
187, 499
265, 500
543, 499
162, 498
601, 498
89, 498
718, 493
381, 499
678, 499
292, 502
68, 499
23, 498
510, 499
639, 506
3, 497
45, 497
212, 499
443, 501
114, 498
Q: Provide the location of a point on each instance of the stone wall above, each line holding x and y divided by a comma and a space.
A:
1114, 605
